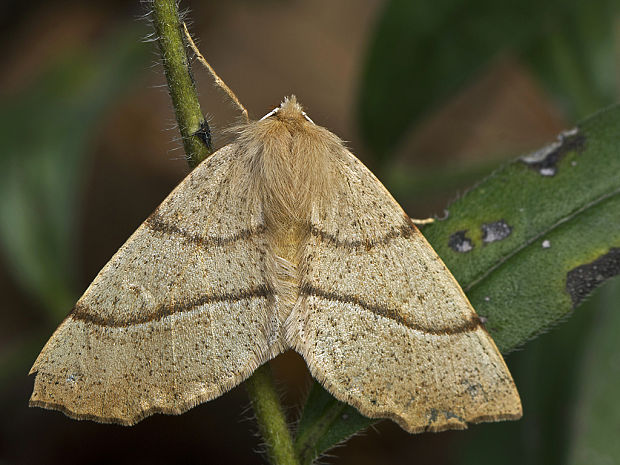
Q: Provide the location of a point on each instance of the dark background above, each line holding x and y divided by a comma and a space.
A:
90, 148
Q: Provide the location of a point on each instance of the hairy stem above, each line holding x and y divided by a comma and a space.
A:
270, 417
169, 30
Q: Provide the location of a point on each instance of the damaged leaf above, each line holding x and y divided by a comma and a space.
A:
545, 160
558, 224
459, 242
582, 280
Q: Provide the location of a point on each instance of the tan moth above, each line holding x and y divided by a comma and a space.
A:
280, 240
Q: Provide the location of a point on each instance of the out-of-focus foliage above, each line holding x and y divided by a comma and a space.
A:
593, 438
45, 131
423, 52
575, 55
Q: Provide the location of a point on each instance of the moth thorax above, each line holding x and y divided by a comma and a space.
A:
296, 173
292, 166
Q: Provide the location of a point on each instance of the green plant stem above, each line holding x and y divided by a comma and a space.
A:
270, 417
260, 386
168, 28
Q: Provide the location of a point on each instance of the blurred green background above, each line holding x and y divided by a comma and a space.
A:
431, 95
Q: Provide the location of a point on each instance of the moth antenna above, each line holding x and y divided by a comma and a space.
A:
219, 81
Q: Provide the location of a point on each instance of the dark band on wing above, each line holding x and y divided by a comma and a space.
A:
84, 313
406, 230
156, 223
472, 324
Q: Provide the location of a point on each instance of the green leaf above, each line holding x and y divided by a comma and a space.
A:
45, 132
529, 242
325, 422
559, 226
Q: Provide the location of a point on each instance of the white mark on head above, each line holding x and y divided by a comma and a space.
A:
271, 113
307, 117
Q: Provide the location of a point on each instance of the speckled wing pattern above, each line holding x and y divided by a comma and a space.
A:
280, 240
183, 311
384, 325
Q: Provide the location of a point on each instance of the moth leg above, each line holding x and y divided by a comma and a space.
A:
424, 221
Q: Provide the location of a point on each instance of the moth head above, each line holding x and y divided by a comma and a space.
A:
288, 109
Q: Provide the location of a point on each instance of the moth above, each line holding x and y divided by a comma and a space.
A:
280, 240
